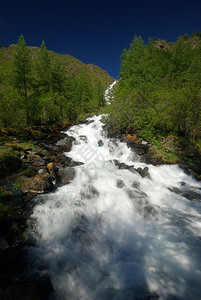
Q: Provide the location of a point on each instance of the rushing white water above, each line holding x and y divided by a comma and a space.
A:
109, 92
111, 234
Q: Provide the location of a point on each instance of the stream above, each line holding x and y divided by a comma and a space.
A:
113, 234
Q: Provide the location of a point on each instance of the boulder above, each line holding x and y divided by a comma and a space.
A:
140, 149
66, 174
139, 146
143, 172
150, 159
66, 143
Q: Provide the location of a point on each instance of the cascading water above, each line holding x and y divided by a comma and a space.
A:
109, 92
112, 234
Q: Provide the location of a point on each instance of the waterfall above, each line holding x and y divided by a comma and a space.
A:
109, 92
113, 234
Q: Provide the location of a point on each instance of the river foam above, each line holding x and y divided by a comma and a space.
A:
112, 234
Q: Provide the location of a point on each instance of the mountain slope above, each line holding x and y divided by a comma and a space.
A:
71, 64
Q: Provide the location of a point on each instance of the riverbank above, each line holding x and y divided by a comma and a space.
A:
165, 150
32, 163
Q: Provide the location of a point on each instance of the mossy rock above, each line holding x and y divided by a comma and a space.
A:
9, 163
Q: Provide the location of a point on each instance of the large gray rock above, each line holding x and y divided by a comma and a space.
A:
66, 143
150, 159
66, 174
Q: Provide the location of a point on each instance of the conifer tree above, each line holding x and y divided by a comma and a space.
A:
22, 73
44, 68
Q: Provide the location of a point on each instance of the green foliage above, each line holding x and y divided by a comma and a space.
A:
160, 90
39, 87
199, 34
21, 74
185, 37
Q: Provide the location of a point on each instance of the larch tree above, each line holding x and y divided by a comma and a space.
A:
22, 73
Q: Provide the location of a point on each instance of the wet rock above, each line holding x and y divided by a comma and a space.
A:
66, 174
143, 172
132, 169
149, 210
89, 122
62, 160
66, 143
136, 144
190, 195
186, 167
150, 159
140, 148
136, 185
120, 184
121, 166
83, 138
115, 162
100, 143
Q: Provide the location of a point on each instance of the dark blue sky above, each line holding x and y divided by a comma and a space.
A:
96, 31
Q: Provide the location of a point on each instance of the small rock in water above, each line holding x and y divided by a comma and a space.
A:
83, 138
136, 185
143, 172
120, 183
100, 143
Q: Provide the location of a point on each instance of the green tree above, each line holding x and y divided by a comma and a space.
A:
185, 37
43, 69
199, 34
22, 74
100, 94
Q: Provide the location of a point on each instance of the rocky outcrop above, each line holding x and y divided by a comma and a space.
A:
25, 173
144, 172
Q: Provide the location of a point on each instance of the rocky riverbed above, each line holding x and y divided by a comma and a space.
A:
33, 163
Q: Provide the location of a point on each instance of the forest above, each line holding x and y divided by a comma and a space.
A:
36, 88
159, 91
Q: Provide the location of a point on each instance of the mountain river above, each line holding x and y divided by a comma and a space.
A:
113, 234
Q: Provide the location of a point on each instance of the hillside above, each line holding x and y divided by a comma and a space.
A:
39, 86
71, 64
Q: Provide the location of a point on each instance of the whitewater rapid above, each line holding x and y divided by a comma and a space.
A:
112, 234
